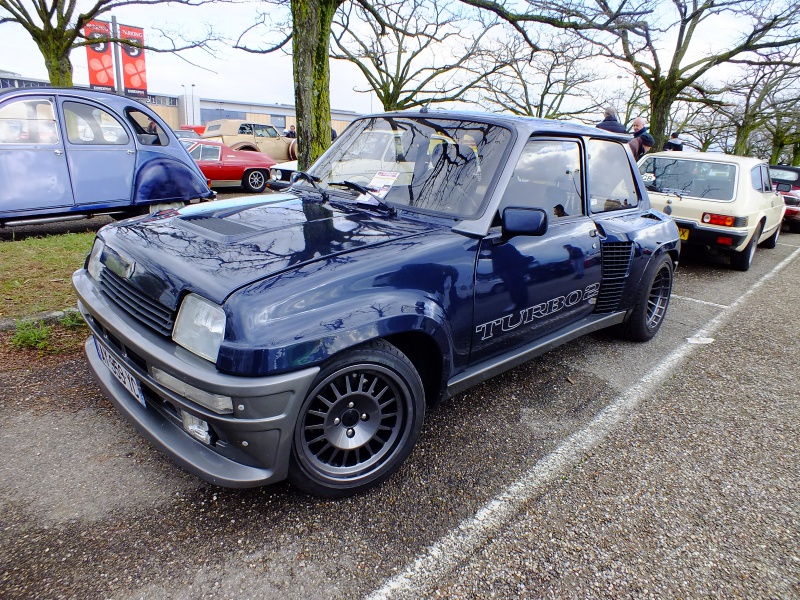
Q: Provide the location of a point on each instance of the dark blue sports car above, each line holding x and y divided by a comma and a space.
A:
71, 153
301, 335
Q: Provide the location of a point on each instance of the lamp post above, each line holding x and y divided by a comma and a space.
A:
192, 123
185, 107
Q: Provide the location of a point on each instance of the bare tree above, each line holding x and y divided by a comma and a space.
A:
427, 55
552, 83
57, 26
656, 39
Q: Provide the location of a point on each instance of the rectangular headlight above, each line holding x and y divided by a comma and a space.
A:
200, 327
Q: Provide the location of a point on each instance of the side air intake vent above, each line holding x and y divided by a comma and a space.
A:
616, 264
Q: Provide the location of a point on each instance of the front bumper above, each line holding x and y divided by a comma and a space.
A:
709, 236
248, 448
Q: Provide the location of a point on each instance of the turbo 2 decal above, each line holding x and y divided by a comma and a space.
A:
526, 315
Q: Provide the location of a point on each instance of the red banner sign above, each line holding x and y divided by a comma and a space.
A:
134, 75
99, 57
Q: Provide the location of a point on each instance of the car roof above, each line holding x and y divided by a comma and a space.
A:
529, 125
115, 101
743, 161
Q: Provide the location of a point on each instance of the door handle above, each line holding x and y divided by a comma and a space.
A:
130, 151
593, 233
57, 152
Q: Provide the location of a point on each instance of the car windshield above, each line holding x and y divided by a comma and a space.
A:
428, 163
698, 178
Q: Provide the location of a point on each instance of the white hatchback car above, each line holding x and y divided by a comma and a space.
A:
717, 200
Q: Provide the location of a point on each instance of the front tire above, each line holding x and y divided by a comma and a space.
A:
255, 181
653, 301
359, 423
741, 261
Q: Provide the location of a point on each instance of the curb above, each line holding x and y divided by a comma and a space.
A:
49, 317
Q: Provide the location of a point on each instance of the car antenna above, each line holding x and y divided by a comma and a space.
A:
426, 108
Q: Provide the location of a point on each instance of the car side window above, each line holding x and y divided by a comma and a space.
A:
148, 132
765, 179
87, 124
28, 122
611, 182
209, 152
265, 131
245, 129
755, 179
547, 176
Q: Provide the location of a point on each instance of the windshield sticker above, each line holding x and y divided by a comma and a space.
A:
382, 182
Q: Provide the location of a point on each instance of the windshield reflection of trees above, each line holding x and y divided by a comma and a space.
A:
693, 178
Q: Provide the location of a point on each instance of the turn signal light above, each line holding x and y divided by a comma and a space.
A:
724, 220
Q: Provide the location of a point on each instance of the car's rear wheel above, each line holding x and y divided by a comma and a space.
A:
741, 261
359, 422
772, 240
652, 303
255, 180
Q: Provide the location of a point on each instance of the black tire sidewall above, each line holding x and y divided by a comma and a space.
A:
636, 327
379, 353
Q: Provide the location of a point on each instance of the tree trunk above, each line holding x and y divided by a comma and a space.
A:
662, 96
59, 67
311, 33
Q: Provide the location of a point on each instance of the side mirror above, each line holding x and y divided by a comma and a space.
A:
524, 221
783, 187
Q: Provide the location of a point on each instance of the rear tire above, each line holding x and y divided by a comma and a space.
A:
741, 261
652, 303
772, 240
359, 422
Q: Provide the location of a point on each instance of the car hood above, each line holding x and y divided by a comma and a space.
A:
214, 248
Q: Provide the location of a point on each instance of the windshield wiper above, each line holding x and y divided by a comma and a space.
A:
365, 190
313, 181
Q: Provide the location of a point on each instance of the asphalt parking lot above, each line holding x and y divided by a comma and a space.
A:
604, 469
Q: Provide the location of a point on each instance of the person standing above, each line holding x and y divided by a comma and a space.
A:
292, 133
674, 143
639, 128
641, 144
610, 121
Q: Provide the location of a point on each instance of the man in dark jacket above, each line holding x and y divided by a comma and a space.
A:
610, 122
639, 128
674, 143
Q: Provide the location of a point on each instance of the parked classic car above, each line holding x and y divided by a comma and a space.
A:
225, 167
281, 175
255, 137
302, 334
71, 153
717, 200
784, 175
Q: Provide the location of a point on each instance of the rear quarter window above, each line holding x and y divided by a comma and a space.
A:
611, 182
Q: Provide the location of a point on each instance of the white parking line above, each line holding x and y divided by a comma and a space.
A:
431, 567
698, 301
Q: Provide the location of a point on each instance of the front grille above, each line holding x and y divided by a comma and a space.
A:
132, 301
616, 264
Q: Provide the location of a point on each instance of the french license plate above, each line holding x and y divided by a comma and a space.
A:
684, 233
120, 372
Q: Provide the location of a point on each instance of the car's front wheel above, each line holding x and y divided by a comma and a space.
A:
255, 180
652, 303
741, 261
359, 422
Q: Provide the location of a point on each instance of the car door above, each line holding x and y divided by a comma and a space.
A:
529, 286
271, 143
775, 199
33, 165
100, 152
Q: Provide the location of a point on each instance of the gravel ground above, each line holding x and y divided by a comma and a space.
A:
695, 496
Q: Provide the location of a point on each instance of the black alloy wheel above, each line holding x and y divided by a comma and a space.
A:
359, 422
651, 307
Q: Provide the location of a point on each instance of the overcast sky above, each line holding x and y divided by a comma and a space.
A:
231, 75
